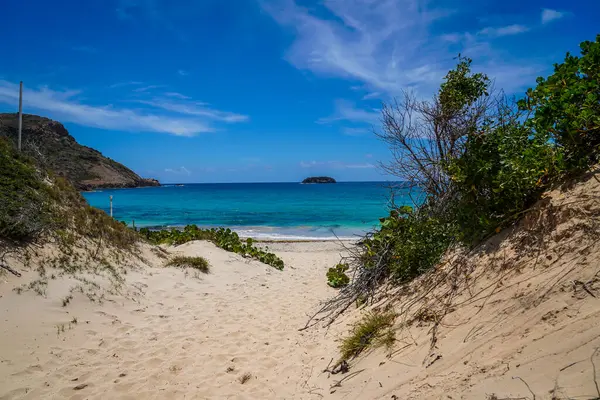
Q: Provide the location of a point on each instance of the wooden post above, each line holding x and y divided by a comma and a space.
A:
133, 223
20, 113
111, 214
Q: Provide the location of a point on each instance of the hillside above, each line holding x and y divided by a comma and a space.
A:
50, 143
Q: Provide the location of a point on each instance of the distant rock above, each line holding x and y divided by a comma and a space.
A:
319, 179
50, 144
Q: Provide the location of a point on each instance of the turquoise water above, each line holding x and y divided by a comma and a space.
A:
262, 210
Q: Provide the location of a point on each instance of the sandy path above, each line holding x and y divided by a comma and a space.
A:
183, 338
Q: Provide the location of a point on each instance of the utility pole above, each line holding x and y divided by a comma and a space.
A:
110, 205
20, 113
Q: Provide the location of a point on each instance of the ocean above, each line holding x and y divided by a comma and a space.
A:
259, 210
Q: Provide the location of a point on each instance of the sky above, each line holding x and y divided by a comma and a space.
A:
262, 90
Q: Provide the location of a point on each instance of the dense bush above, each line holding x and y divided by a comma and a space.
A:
411, 242
502, 171
24, 197
35, 202
223, 238
566, 107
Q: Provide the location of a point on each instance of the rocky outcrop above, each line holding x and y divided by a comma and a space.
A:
319, 179
51, 145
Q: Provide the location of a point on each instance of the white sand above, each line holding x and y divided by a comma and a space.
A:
178, 339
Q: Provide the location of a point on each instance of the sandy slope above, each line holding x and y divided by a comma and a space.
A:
184, 337
517, 318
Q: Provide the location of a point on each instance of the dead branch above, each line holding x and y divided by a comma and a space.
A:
9, 269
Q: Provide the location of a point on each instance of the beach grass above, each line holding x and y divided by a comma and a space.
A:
197, 263
373, 329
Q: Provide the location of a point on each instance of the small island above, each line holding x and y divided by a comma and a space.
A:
319, 179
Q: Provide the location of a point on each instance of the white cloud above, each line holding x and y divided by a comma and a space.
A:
503, 30
180, 171
197, 109
64, 106
182, 72
347, 111
386, 45
381, 44
549, 15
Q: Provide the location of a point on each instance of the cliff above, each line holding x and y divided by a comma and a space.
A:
50, 144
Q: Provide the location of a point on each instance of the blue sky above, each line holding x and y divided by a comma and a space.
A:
262, 90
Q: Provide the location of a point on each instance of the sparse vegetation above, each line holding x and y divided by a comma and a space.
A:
245, 378
336, 276
373, 330
197, 263
221, 237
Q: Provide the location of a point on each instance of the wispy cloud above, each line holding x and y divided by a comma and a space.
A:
177, 95
148, 88
335, 165
65, 106
347, 111
179, 171
549, 15
509, 30
388, 45
356, 131
122, 84
182, 72
198, 109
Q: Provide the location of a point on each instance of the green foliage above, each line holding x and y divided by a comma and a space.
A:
34, 201
408, 243
373, 329
24, 197
566, 107
502, 171
199, 263
336, 276
223, 238
461, 88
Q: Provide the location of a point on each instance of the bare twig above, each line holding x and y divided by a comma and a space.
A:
9, 269
526, 384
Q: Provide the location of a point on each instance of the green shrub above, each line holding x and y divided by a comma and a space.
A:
566, 107
336, 276
24, 197
410, 242
373, 329
503, 170
221, 237
199, 263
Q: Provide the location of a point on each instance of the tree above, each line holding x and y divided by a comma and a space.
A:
425, 136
